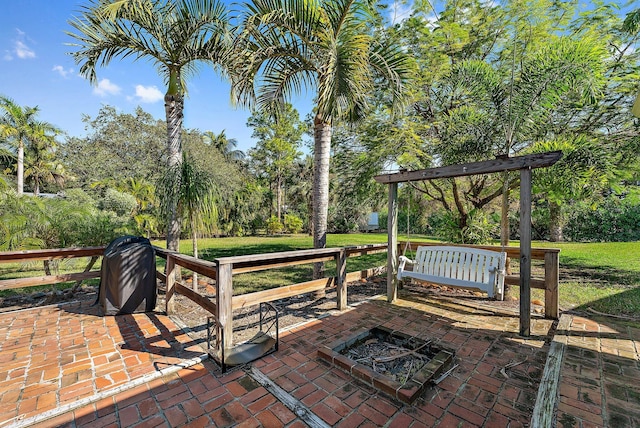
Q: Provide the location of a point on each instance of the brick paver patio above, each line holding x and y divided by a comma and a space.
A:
64, 366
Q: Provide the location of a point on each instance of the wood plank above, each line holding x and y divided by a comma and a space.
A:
170, 285
392, 253
360, 250
194, 264
265, 266
309, 418
251, 299
201, 300
8, 284
283, 256
354, 276
525, 252
551, 291
537, 160
546, 401
515, 280
224, 296
341, 284
50, 254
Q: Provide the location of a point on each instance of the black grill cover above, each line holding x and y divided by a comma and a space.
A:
128, 277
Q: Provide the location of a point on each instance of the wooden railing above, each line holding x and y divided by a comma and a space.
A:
223, 269
50, 255
549, 283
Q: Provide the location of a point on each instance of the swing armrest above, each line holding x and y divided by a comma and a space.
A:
403, 260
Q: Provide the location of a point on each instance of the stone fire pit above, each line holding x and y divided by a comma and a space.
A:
393, 362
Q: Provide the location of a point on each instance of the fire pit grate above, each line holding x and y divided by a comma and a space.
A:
393, 362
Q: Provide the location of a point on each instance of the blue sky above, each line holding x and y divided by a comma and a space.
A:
35, 69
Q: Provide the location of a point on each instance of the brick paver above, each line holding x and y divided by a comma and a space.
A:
600, 376
54, 356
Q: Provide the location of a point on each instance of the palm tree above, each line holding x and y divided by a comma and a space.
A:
19, 127
41, 163
290, 45
193, 198
177, 36
226, 146
141, 189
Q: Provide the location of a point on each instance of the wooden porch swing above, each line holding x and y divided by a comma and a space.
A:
525, 164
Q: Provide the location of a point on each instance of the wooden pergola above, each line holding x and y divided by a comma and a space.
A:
523, 163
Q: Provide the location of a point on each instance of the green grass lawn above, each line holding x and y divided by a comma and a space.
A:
601, 276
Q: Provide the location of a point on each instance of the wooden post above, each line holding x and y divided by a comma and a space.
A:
170, 283
392, 250
551, 280
525, 251
224, 295
341, 274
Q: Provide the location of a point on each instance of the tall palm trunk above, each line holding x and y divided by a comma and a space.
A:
174, 106
555, 223
322, 148
20, 168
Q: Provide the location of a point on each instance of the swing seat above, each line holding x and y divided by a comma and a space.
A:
462, 267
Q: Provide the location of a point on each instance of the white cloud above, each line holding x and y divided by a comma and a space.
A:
61, 71
23, 51
148, 94
105, 87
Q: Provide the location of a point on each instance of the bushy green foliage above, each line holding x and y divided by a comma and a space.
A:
480, 229
274, 225
123, 204
292, 223
615, 220
30, 222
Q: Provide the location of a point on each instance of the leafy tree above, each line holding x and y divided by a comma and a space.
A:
493, 81
585, 169
330, 46
277, 148
19, 127
177, 36
118, 147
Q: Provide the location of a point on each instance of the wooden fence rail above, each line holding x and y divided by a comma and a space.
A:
222, 270
49, 255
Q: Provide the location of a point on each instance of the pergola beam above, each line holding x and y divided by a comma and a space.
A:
537, 160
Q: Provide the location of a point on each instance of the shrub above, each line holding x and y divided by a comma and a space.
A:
120, 203
614, 221
292, 223
274, 225
480, 228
